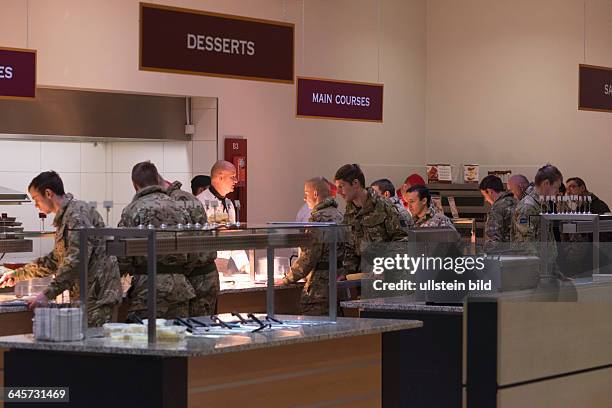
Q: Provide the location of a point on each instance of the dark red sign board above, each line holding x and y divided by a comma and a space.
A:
202, 43
595, 88
326, 98
17, 73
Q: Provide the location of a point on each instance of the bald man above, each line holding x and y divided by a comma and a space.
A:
222, 182
517, 184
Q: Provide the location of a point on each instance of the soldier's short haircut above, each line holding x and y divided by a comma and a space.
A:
385, 185
350, 172
548, 172
199, 181
579, 182
145, 174
423, 192
321, 186
493, 182
48, 180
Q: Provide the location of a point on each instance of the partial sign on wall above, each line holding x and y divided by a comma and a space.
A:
333, 99
17, 73
201, 43
595, 88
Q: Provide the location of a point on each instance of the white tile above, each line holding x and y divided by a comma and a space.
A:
127, 154
109, 157
204, 156
116, 214
109, 185
16, 180
19, 156
177, 157
123, 190
93, 187
205, 121
93, 157
60, 156
72, 183
203, 103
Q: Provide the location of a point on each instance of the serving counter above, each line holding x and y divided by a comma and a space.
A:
321, 364
542, 347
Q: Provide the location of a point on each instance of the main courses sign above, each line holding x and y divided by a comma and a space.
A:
202, 43
17, 73
326, 98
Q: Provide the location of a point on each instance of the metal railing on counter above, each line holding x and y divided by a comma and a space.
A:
151, 242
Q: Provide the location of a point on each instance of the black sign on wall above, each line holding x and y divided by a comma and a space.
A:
595, 88
201, 43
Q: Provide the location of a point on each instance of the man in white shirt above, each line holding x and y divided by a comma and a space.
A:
223, 180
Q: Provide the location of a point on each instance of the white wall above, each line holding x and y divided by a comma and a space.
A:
502, 86
102, 171
93, 44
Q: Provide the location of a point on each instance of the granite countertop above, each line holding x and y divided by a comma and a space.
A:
400, 303
216, 344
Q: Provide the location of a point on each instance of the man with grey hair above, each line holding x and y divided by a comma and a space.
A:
313, 261
518, 184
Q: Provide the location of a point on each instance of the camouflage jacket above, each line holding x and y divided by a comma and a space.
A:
498, 227
104, 285
526, 226
376, 221
196, 212
433, 218
152, 205
404, 216
316, 256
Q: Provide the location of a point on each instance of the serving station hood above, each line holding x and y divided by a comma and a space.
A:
12, 197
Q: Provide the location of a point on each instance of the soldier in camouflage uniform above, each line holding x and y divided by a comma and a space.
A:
202, 271
151, 205
313, 261
370, 217
385, 188
498, 226
419, 203
526, 220
104, 285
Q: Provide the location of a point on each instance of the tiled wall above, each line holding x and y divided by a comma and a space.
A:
101, 171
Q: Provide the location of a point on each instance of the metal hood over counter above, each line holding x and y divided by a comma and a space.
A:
88, 115
8, 197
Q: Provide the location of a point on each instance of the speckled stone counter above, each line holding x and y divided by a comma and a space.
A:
215, 344
401, 303
252, 287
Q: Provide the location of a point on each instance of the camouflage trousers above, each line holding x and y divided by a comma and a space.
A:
206, 288
315, 296
97, 315
173, 293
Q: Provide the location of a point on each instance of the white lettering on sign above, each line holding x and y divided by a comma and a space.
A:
349, 100
608, 89
321, 98
6, 72
219, 44
352, 100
